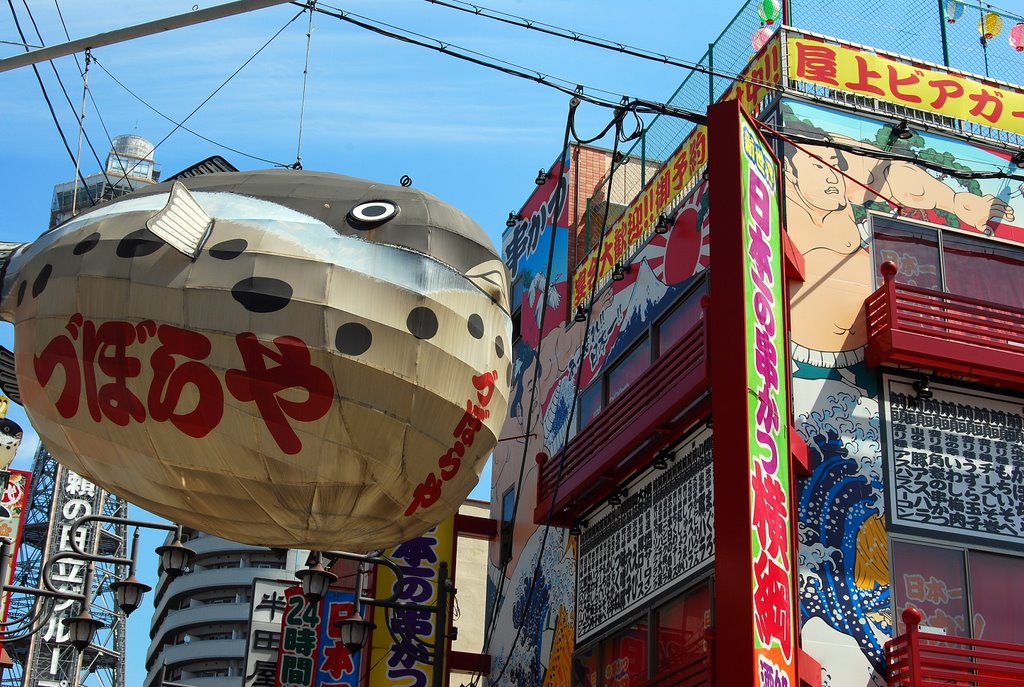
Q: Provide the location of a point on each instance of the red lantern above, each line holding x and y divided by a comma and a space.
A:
1017, 36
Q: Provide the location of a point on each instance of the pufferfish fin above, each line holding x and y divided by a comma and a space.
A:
491, 277
182, 224
8, 380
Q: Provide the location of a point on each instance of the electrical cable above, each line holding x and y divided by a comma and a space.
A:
559, 205
619, 136
49, 104
596, 41
92, 99
305, 78
181, 124
578, 91
218, 89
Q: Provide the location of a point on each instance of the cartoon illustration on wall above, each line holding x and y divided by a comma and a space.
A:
835, 198
534, 591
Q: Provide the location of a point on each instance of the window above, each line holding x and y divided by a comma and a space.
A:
213, 635
961, 592
949, 261
508, 503
681, 319
664, 640
220, 600
272, 565
628, 369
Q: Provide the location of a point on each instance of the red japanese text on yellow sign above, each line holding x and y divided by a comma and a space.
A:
621, 239
851, 70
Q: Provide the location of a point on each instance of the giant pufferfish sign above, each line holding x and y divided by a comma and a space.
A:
282, 358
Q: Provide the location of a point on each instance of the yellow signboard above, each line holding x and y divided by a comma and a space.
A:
868, 74
674, 179
394, 661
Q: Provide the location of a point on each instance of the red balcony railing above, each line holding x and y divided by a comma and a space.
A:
654, 410
921, 659
926, 328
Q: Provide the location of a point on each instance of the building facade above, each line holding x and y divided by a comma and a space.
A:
200, 623
777, 401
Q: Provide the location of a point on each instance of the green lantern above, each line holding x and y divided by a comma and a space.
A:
769, 10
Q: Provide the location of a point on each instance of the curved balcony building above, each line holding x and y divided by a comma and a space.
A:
201, 619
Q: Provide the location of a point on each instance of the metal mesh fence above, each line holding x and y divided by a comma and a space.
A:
918, 29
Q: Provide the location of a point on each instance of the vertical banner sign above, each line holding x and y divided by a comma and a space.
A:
753, 541
395, 662
266, 613
53, 659
296, 661
12, 520
335, 666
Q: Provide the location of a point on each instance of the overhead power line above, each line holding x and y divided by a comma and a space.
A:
570, 88
596, 41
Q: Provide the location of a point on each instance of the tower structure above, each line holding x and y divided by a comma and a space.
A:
130, 165
57, 498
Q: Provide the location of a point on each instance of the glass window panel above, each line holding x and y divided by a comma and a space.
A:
931, 579
998, 610
680, 626
584, 669
681, 320
982, 269
628, 369
915, 250
624, 658
590, 403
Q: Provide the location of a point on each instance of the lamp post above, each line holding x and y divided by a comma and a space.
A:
355, 629
128, 593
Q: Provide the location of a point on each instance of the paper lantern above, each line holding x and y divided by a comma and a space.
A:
990, 25
1017, 36
954, 10
329, 371
761, 36
769, 10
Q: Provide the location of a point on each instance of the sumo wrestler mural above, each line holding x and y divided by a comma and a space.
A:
837, 212
277, 357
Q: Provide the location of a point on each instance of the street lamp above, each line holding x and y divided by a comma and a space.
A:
355, 630
315, 579
128, 593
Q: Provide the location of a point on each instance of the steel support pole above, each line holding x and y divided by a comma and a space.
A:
138, 31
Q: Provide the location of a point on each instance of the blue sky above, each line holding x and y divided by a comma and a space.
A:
375, 108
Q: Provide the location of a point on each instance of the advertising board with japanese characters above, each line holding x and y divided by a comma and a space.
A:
899, 81
398, 660
12, 521
53, 658
665, 192
266, 612
955, 461
661, 534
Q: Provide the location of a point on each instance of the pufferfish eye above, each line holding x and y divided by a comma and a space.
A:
368, 215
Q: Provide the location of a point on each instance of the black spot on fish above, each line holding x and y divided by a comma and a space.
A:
87, 244
499, 346
353, 338
137, 244
41, 280
229, 250
476, 326
21, 291
262, 294
508, 372
422, 323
